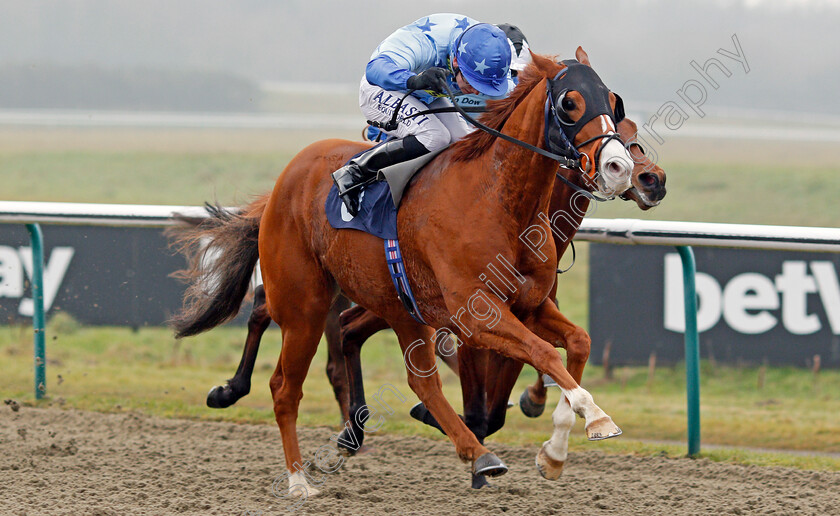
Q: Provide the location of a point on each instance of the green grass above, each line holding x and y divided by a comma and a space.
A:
115, 369
190, 167
796, 195
139, 177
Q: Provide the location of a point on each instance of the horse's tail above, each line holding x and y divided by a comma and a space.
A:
221, 252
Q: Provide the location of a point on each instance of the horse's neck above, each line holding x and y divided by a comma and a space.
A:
565, 212
524, 179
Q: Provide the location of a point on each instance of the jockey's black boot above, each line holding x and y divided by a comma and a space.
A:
359, 171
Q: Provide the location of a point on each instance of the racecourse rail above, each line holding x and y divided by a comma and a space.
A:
682, 235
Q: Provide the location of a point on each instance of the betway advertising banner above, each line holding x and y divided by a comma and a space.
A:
99, 275
753, 305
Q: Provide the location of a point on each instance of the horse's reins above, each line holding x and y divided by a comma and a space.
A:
392, 124
571, 163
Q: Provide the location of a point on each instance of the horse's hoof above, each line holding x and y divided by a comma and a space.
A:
365, 449
549, 468
601, 429
418, 412
422, 414
347, 450
529, 407
480, 481
220, 397
301, 491
490, 465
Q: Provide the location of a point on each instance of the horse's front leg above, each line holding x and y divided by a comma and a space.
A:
423, 378
493, 326
532, 401
550, 324
561, 332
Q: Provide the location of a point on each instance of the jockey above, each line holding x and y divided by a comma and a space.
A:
437, 50
520, 58
519, 48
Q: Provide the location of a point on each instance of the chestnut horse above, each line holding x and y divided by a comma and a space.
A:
486, 402
500, 188
346, 336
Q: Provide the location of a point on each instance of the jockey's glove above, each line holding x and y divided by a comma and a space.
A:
433, 79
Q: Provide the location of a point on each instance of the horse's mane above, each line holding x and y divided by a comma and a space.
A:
498, 111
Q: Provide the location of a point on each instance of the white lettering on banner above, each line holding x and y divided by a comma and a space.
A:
708, 291
15, 263
750, 291
746, 301
829, 289
795, 285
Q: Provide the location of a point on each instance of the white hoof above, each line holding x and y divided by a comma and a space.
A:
549, 468
299, 487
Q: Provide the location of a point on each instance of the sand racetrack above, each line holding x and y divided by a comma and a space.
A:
71, 462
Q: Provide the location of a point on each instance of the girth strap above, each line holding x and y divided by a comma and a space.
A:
393, 257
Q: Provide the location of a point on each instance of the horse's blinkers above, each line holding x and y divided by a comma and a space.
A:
559, 133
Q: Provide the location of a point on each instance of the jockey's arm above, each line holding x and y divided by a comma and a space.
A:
400, 56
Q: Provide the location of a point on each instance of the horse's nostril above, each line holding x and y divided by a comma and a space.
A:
648, 180
614, 168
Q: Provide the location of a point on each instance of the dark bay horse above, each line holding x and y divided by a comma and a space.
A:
500, 189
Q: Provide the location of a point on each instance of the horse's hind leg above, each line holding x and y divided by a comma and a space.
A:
299, 298
223, 396
336, 371
532, 400
301, 335
357, 325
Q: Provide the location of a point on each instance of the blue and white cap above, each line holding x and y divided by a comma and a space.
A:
483, 55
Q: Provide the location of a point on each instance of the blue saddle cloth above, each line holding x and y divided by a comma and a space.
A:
378, 202
377, 213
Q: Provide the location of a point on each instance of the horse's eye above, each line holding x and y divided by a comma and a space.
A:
567, 104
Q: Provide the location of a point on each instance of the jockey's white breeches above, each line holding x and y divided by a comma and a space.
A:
434, 131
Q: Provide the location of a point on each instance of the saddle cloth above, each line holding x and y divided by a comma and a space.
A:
378, 202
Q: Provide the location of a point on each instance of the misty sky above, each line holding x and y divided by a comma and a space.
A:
642, 49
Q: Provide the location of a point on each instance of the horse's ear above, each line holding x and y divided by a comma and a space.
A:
582, 57
618, 114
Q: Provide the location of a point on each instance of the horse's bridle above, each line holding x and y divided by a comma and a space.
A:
583, 79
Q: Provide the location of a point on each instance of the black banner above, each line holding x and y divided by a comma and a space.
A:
99, 275
753, 305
